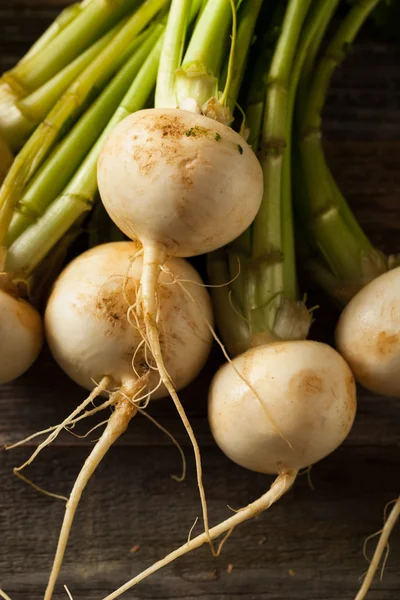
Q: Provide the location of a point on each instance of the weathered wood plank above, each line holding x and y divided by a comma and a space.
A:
132, 500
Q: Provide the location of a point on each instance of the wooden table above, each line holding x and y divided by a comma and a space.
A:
309, 546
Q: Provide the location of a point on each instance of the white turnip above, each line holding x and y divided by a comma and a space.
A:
368, 334
305, 387
21, 336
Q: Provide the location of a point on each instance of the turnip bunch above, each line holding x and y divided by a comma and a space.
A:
281, 403
52, 181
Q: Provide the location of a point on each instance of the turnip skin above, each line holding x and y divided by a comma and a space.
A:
21, 336
305, 386
86, 318
179, 179
368, 334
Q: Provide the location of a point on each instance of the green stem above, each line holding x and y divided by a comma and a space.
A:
35, 243
68, 109
345, 247
61, 22
265, 278
18, 118
255, 104
309, 61
198, 77
318, 19
171, 57
232, 56
233, 328
94, 19
208, 39
248, 16
68, 155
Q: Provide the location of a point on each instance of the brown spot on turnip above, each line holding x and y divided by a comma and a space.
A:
387, 344
170, 126
113, 308
307, 383
144, 158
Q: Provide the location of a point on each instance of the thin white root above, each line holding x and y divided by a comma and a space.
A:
68, 593
4, 595
85, 435
37, 487
191, 529
173, 440
281, 485
224, 539
68, 427
379, 550
117, 425
96, 392
154, 256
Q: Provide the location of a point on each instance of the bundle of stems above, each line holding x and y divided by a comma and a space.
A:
339, 256
32, 87
55, 151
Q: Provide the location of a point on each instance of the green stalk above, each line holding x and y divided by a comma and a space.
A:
232, 325
317, 22
94, 19
265, 277
255, 104
171, 57
20, 118
68, 155
302, 98
61, 22
68, 109
63, 43
197, 78
181, 14
346, 249
77, 199
6, 159
310, 60
247, 21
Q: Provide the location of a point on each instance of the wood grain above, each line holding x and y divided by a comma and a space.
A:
309, 546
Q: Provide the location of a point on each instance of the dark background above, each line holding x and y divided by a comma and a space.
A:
307, 547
